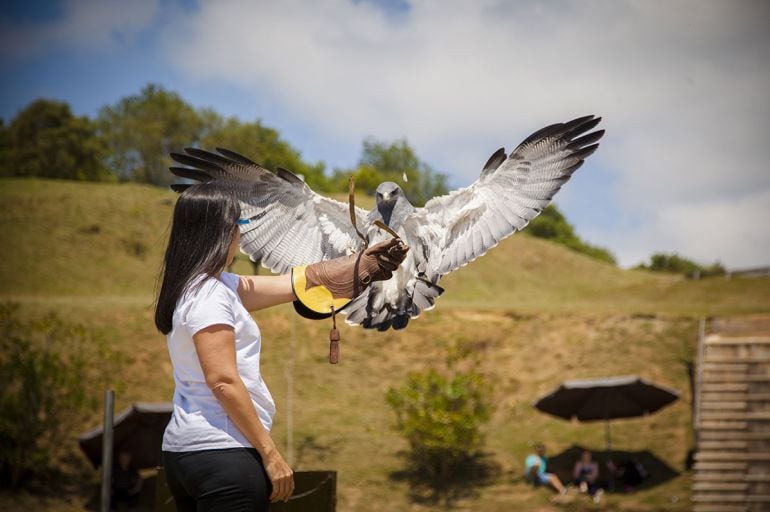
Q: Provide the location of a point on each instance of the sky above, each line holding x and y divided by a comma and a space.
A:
682, 87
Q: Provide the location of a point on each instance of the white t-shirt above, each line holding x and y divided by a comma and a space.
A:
199, 422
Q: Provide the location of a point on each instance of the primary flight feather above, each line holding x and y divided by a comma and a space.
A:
289, 224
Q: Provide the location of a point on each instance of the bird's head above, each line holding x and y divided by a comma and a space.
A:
387, 194
392, 204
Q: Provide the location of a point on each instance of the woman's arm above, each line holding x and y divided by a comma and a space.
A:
215, 346
343, 276
260, 292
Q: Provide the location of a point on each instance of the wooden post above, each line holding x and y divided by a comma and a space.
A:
699, 379
107, 443
290, 393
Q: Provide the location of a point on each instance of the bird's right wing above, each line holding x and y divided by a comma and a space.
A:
453, 230
288, 223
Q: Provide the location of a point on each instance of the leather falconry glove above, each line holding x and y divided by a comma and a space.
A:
324, 288
347, 276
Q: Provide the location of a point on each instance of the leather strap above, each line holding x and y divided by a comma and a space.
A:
352, 208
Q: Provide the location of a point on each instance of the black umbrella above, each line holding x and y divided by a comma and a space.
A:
606, 399
138, 430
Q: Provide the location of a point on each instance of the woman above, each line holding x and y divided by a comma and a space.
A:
217, 449
585, 473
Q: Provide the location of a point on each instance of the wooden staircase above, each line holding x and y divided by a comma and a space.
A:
732, 416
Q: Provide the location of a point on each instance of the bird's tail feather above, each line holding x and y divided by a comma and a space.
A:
372, 312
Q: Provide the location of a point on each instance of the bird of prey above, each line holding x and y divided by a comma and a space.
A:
289, 224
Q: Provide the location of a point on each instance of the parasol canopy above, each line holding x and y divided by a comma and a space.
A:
605, 399
138, 430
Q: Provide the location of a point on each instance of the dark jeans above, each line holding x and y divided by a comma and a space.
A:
231, 479
130, 499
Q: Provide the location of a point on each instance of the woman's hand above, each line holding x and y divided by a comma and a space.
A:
281, 476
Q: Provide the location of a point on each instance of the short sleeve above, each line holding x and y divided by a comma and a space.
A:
212, 305
231, 280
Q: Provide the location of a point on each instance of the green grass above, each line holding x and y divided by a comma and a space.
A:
536, 312
528, 275
64, 238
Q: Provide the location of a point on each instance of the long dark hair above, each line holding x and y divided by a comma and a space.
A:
205, 219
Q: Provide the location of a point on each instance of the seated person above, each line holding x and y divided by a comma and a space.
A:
126, 482
630, 473
585, 473
534, 470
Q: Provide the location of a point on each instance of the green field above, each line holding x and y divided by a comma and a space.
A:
535, 313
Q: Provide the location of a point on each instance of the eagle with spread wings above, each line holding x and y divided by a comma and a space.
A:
287, 224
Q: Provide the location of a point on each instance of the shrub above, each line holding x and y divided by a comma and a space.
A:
52, 374
441, 416
674, 263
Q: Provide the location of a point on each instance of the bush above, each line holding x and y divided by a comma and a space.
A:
674, 263
441, 416
52, 374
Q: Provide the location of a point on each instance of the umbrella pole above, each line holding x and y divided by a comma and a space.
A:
609, 452
109, 410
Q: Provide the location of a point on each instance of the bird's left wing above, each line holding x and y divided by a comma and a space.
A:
288, 223
453, 230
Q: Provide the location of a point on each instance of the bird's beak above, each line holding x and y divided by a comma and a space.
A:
386, 197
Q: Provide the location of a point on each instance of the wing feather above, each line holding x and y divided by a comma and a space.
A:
510, 192
288, 223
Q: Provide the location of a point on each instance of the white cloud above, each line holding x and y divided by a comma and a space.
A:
682, 86
84, 24
737, 228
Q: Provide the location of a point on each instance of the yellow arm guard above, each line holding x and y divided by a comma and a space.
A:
316, 302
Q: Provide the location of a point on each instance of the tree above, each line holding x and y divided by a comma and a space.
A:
46, 140
551, 224
141, 130
382, 161
5, 148
260, 143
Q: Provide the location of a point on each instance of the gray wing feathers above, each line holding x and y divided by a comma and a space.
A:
510, 192
289, 224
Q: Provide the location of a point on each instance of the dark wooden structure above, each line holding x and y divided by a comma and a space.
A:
732, 416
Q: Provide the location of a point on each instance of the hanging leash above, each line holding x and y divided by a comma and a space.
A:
334, 333
352, 207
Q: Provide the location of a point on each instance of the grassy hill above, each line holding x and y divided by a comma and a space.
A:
78, 240
535, 313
